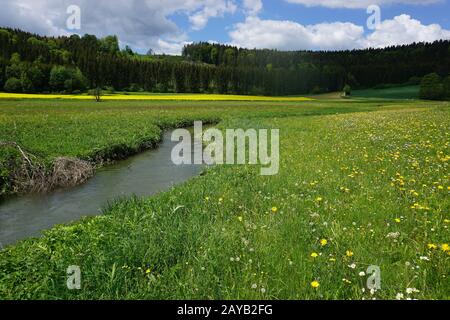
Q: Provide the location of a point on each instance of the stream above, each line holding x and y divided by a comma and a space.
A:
142, 175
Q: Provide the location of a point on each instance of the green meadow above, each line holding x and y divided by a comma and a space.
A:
392, 92
362, 182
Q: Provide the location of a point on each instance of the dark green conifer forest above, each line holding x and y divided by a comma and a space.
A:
31, 63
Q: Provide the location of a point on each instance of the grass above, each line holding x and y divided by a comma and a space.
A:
147, 96
396, 92
369, 177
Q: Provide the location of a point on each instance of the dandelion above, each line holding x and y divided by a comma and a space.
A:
397, 220
399, 296
432, 246
314, 254
263, 290
315, 284
349, 253
240, 218
319, 199
323, 242
274, 209
445, 247
254, 286
148, 271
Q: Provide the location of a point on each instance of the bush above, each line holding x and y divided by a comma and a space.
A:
67, 79
97, 93
27, 85
13, 85
431, 87
109, 89
134, 88
447, 87
347, 90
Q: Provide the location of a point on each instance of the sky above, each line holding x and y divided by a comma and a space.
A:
166, 26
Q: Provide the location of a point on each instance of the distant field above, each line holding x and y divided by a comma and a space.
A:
148, 96
407, 92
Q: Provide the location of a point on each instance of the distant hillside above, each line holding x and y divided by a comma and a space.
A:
33, 63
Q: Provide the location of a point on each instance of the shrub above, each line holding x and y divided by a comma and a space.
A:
134, 87
431, 87
27, 85
347, 90
446, 85
67, 79
109, 89
13, 85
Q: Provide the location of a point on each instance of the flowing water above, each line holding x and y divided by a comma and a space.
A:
145, 174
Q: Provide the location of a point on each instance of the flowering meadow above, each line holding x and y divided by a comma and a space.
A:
361, 183
159, 97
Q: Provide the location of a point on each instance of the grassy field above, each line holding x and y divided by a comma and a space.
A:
396, 92
361, 183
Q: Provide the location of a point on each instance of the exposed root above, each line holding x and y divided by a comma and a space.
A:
70, 172
29, 174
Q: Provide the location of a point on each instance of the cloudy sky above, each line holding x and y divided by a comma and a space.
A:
166, 25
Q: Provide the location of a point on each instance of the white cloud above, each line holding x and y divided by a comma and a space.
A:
403, 30
140, 23
359, 4
212, 9
252, 7
289, 35
168, 47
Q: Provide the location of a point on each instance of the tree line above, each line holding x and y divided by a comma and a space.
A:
33, 63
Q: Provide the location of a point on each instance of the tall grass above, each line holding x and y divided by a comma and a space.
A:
374, 184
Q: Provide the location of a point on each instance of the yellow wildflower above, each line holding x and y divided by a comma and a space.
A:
314, 255
323, 242
349, 253
432, 246
274, 209
315, 284
445, 247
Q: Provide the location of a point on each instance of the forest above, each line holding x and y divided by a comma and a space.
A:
31, 63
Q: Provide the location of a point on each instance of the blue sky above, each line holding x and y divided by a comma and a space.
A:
165, 26
282, 10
